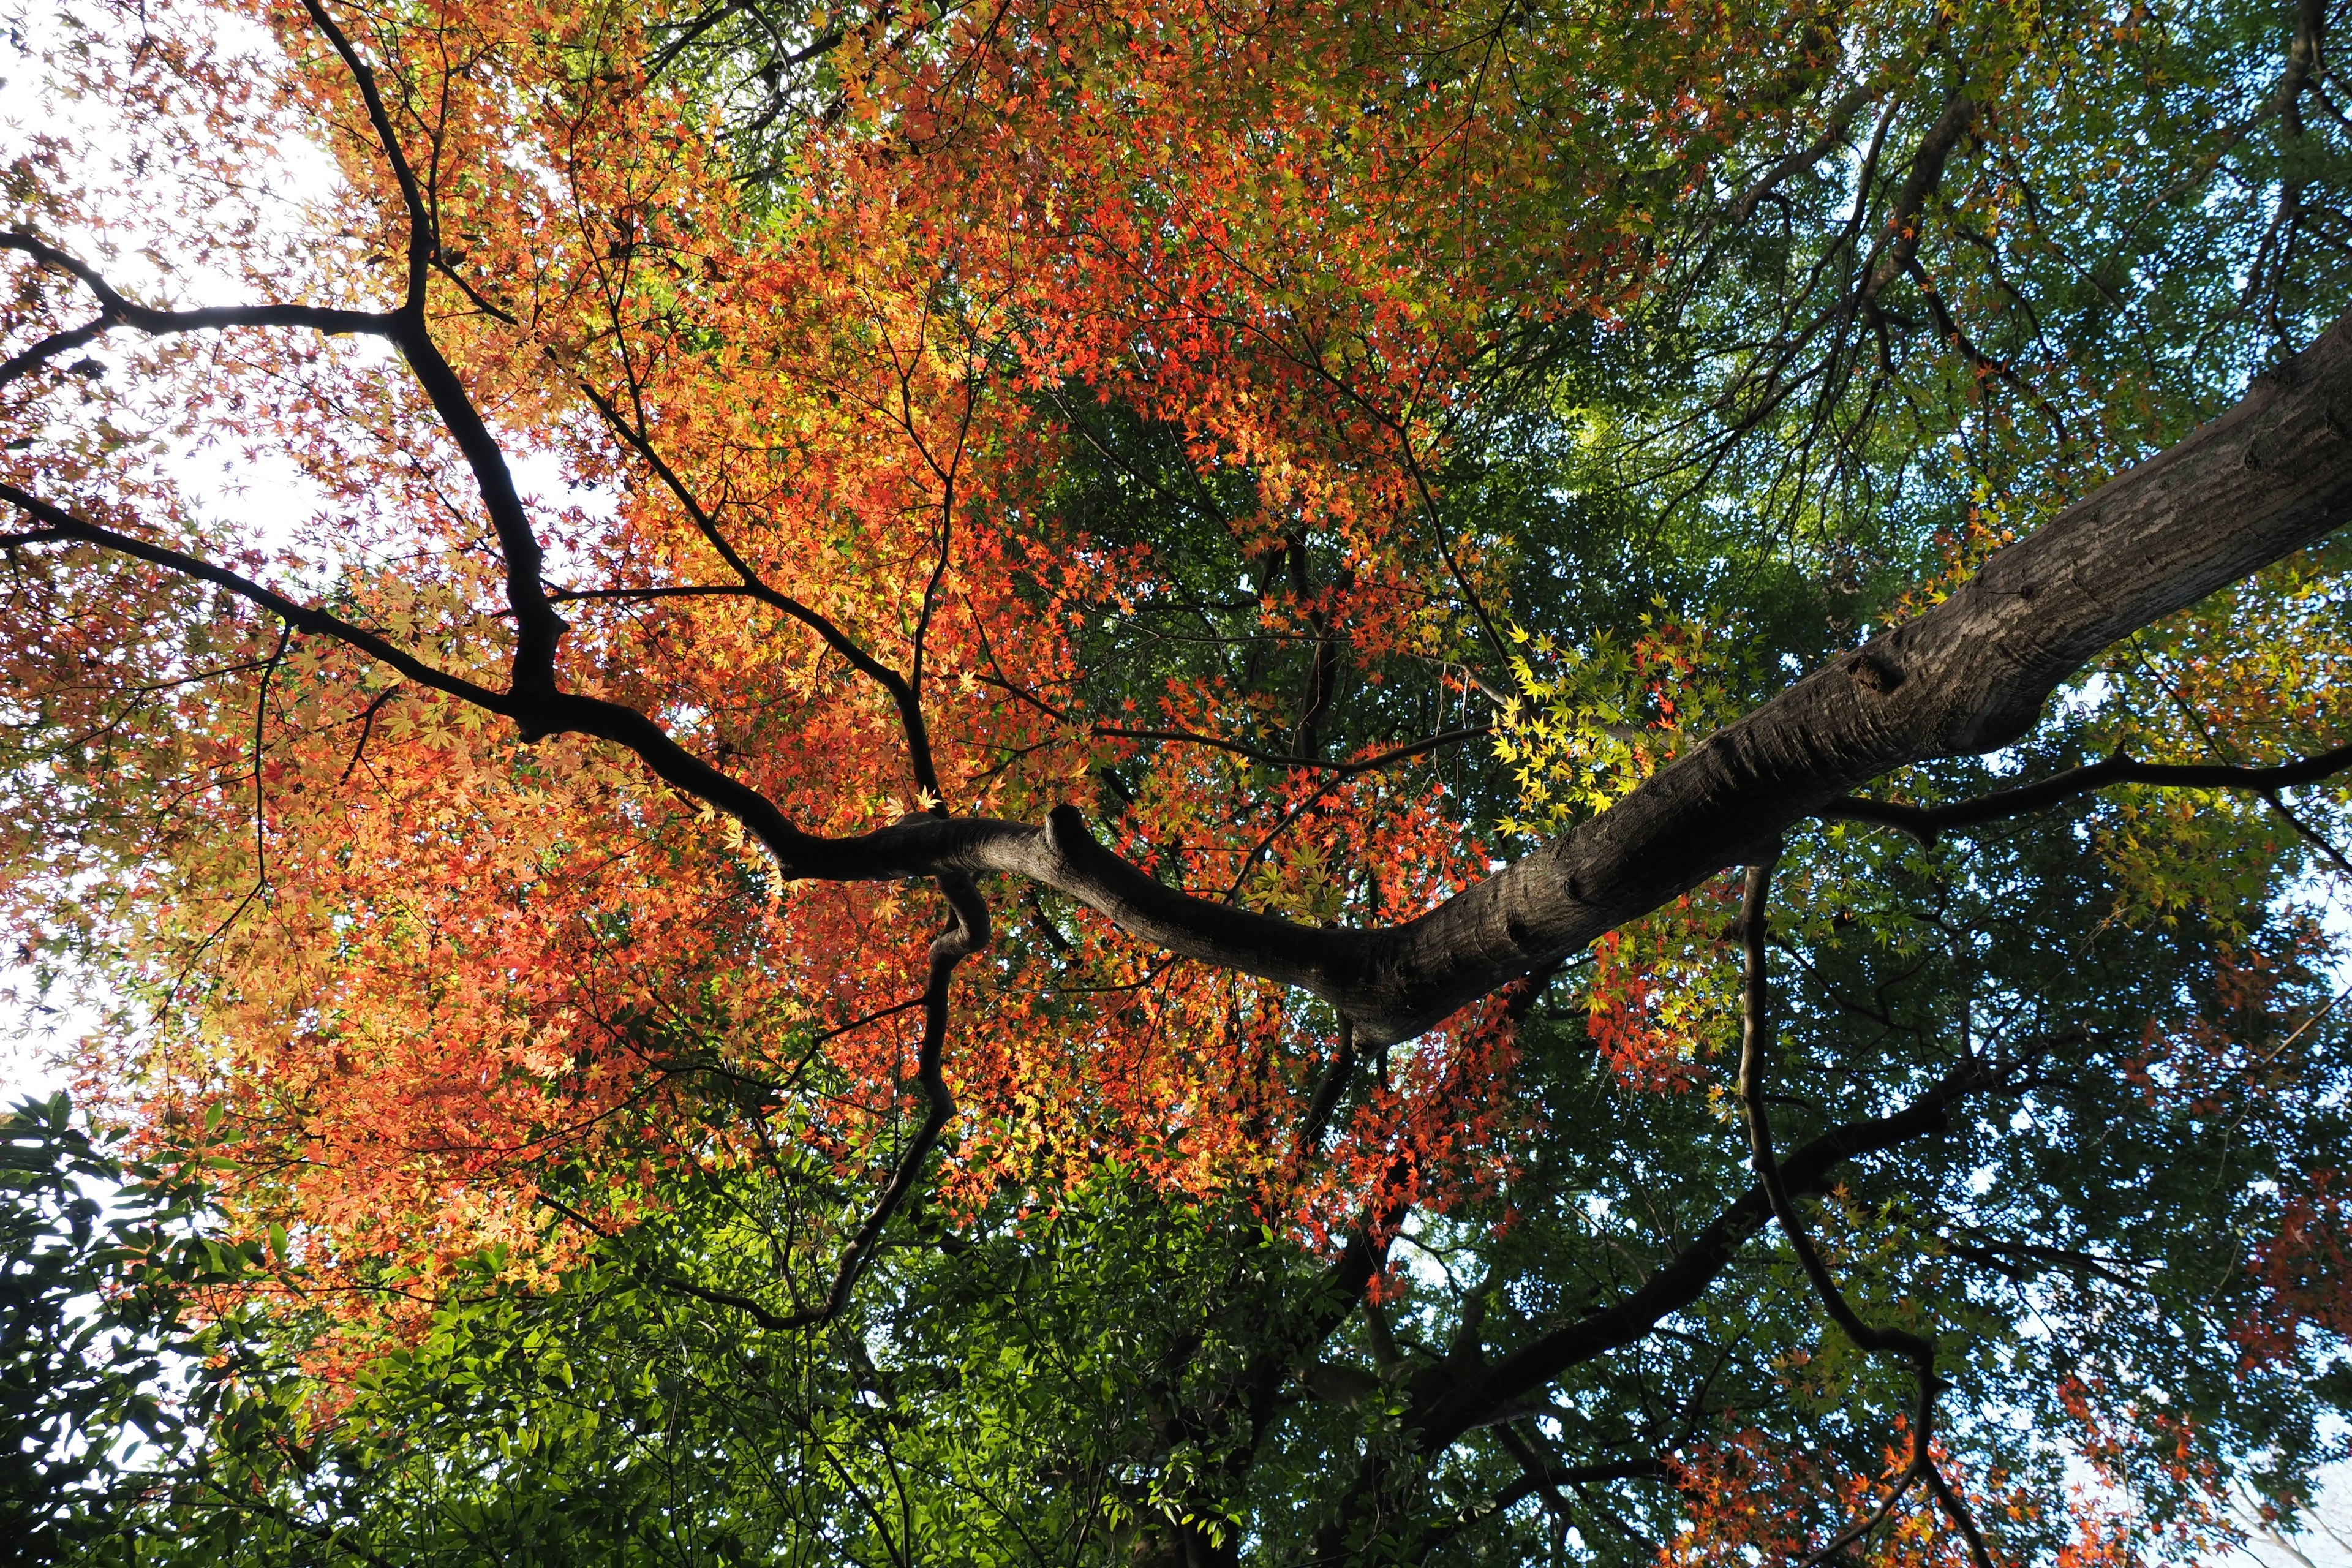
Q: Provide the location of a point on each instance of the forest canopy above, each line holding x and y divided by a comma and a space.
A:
1038, 782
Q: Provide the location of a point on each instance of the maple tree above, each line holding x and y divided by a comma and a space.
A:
1200, 783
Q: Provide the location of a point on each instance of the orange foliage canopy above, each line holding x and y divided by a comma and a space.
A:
430, 956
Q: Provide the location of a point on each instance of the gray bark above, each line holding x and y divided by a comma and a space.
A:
1970, 675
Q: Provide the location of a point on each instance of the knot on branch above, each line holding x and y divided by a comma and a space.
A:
1874, 672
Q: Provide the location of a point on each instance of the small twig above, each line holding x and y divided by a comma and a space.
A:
367, 728
1327, 1093
1865, 1525
2306, 1024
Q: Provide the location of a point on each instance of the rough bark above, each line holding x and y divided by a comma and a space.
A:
1970, 675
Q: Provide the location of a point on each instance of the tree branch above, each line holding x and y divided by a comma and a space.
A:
1756, 1045
899, 690
1927, 823
117, 310
537, 629
1969, 675
1833, 129
966, 934
1899, 241
1678, 1283
1541, 1478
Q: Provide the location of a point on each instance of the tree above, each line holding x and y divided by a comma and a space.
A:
98, 1278
1141, 830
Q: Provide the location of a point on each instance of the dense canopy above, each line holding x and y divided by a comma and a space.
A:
1032, 782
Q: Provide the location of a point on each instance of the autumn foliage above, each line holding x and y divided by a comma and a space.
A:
824, 416
441, 975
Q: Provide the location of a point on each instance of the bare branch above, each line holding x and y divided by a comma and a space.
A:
1927, 823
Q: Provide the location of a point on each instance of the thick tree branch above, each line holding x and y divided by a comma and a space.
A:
1334, 1084
1468, 1392
423, 242
52, 347
1900, 240
1971, 674
537, 629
